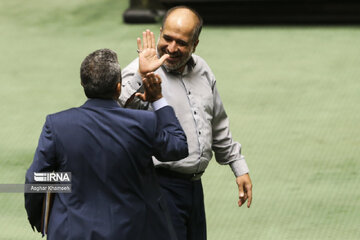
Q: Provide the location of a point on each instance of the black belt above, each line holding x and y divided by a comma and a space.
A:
169, 173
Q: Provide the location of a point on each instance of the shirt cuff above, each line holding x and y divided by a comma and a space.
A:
239, 167
159, 104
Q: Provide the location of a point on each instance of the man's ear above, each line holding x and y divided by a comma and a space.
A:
195, 44
118, 90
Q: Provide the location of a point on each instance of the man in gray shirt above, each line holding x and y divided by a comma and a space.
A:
189, 86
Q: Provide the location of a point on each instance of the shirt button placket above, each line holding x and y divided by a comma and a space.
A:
196, 118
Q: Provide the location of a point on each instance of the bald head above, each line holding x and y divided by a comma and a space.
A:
184, 17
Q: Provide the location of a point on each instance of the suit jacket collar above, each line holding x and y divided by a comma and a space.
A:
98, 102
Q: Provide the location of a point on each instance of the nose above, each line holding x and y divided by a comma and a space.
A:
172, 47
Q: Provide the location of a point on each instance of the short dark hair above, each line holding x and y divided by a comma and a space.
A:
198, 27
100, 73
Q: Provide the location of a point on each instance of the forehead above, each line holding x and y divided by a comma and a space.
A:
180, 24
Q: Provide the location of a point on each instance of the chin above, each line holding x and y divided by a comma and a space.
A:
171, 67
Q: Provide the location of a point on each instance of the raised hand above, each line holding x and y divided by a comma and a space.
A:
152, 86
148, 59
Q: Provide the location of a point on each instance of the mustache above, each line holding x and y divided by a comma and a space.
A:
174, 55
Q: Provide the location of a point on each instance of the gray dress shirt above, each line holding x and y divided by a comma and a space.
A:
200, 111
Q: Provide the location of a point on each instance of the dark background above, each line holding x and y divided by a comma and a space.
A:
252, 11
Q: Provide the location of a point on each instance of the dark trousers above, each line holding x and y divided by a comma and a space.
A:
185, 200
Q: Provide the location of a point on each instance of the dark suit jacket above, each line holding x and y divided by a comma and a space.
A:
108, 150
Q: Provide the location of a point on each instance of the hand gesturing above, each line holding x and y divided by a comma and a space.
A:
152, 86
148, 59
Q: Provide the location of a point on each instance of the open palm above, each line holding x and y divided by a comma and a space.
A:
148, 59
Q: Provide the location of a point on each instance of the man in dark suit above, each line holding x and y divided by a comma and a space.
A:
108, 150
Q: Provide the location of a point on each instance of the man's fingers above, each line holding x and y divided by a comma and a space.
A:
153, 78
241, 191
241, 202
249, 193
163, 58
158, 78
245, 189
138, 40
152, 40
148, 38
144, 40
149, 74
141, 96
242, 195
146, 83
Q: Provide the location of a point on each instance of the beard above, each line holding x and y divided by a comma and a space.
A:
179, 60
179, 63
